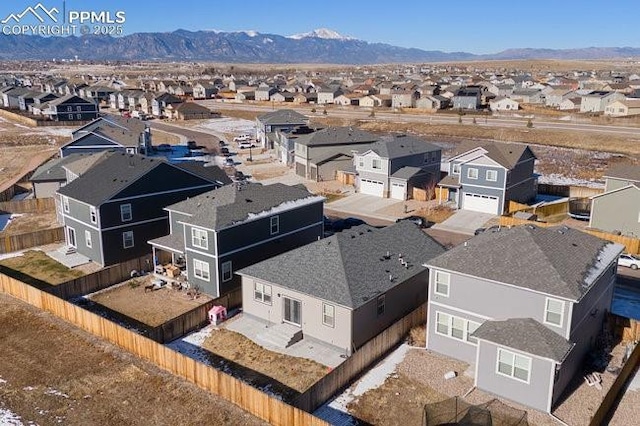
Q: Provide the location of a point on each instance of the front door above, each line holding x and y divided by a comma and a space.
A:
72, 236
292, 311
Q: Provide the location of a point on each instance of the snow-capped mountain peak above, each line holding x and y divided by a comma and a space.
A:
324, 33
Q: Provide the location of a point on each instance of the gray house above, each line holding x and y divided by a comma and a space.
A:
618, 208
523, 306
72, 108
487, 177
394, 165
114, 208
109, 134
320, 154
282, 119
52, 175
232, 227
345, 289
469, 97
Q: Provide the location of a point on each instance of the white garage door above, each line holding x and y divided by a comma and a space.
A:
398, 191
371, 187
481, 203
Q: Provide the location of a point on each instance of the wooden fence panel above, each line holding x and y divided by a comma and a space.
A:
233, 390
632, 245
34, 205
10, 243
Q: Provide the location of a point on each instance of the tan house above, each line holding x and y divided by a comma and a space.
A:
623, 108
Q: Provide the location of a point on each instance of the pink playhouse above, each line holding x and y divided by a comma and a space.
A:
217, 314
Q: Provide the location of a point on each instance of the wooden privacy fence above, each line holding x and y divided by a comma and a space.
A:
248, 398
568, 191
34, 205
9, 243
371, 352
601, 414
550, 209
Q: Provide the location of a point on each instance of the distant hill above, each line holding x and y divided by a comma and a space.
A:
317, 46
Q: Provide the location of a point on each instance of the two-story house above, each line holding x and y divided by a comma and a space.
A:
162, 101
319, 155
342, 290
72, 108
469, 97
618, 208
523, 306
114, 208
232, 227
487, 177
109, 133
597, 100
282, 119
393, 165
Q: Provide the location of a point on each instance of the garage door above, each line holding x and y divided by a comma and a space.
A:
371, 187
398, 191
481, 203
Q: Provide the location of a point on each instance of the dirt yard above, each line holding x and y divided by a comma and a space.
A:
53, 373
296, 373
30, 222
37, 264
150, 307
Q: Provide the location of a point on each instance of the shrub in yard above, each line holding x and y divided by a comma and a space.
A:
324, 111
313, 110
134, 283
529, 124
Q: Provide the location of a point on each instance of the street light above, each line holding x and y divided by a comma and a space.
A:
250, 156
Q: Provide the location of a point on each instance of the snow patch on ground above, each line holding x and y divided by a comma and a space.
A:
55, 392
52, 131
228, 125
2, 381
557, 179
8, 418
336, 412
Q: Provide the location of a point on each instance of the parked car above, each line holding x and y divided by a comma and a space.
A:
225, 151
629, 260
229, 162
246, 145
241, 138
418, 220
239, 176
221, 143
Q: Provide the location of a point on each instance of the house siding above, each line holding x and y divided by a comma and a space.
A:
617, 211
449, 346
45, 189
113, 249
614, 183
94, 252
535, 394
482, 176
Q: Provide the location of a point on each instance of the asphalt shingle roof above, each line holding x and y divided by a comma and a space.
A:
624, 171
505, 154
526, 335
84, 162
283, 116
351, 267
210, 173
53, 169
398, 146
554, 261
230, 204
336, 136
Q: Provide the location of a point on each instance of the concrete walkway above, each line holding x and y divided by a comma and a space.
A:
464, 222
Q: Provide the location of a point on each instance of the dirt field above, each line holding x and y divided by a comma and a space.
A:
30, 222
52, 373
296, 373
150, 307
37, 264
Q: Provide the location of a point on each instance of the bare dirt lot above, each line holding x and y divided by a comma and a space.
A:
53, 373
150, 307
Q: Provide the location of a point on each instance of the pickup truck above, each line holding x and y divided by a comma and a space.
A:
246, 145
242, 138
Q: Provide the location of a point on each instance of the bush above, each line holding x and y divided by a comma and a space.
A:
529, 124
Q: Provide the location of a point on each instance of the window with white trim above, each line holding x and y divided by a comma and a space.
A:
492, 175
456, 169
513, 365
442, 323
381, 304
442, 283
87, 238
93, 214
456, 327
472, 326
199, 238
227, 271
472, 173
360, 162
65, 204
127, 239
275, 224
554, 312
376, 163
328, 315
262, 292
125, 212
201, 269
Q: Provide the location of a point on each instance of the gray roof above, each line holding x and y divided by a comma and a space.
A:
450, 181
350, 268
505, 154
558, 261
526, 335
230, 204
174, 241
131, 124
121, 136
84, 162
53, 169
624, 171
336, 136
211, 173
283, 116
398, 146
407, 172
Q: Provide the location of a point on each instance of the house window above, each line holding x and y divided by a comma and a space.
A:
554, 311
328, 315
78, 108
127, 239
78, 116
472, 326
201, 269
442, 283
442, 323
70, 116
472, 173
131, 150
69, 109
125, 212
456, 169
227, 272
93, 214
456, 327
199, 238
380, 305
376, 163
262, 292
65, 204
492, 175
275, 224
360, 162
87, 238
513, 365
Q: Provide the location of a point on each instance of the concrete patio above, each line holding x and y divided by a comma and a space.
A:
251, 328
70, 260
464, 222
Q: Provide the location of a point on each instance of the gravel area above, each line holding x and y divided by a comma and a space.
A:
627, 410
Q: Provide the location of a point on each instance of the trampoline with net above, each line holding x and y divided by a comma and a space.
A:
456, 411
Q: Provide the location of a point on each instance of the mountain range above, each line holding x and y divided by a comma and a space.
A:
318, 46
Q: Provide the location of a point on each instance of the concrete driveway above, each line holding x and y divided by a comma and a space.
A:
368, 205
464, 222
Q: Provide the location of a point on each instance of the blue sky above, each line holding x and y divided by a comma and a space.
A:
464, 25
